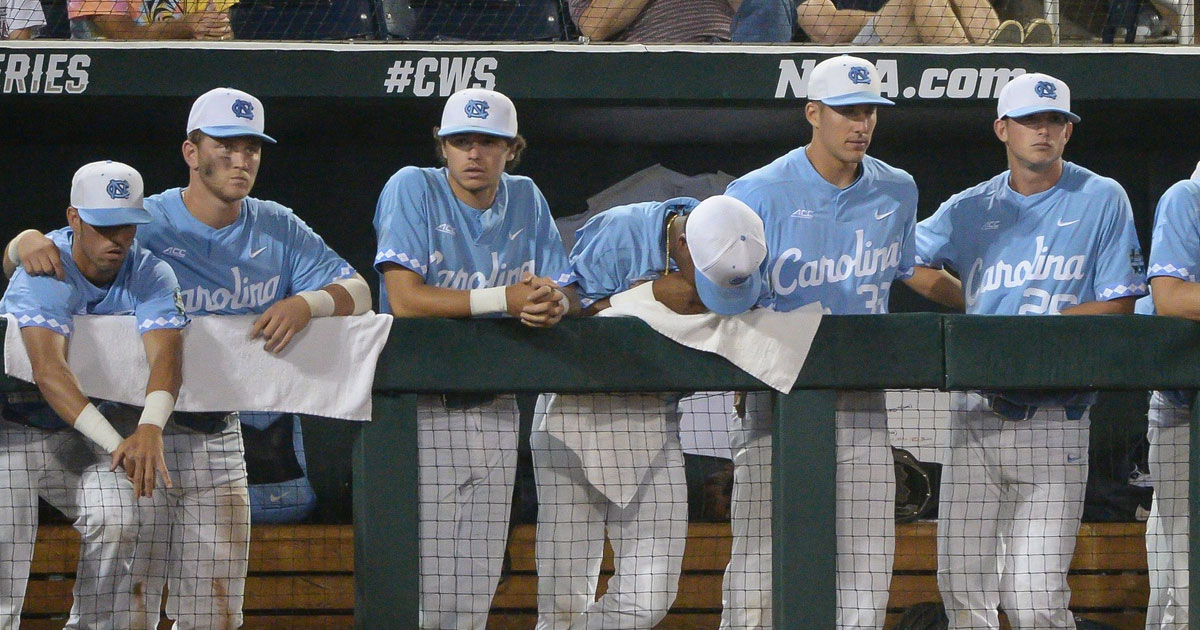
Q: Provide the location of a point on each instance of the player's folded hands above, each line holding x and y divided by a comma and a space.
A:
539, 302
40, 256
141, 456
280, 323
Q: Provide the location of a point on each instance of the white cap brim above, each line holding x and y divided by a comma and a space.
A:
233, 131
451, 131
857, 98
1037, 109
729, 300
108, 217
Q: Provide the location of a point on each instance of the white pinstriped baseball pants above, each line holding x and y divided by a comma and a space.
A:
72, 474
865, 490
468, 464
647, 535
195, 537
1011, 499
1167, 528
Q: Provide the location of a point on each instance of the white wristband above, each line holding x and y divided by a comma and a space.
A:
159, 405
95, 427
320, 303
562, 299
493, 300
12, 248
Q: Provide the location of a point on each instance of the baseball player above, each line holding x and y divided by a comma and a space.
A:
234, 255
839, 227
105, 272
467, 240
1174, 257
1046, 237
700, 256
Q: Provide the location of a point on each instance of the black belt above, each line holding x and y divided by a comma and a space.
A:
1012, 411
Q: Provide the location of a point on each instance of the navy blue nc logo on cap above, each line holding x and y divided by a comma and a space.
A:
243, 109
860, 74
476, 109
1046, 89
118, 189
738, 281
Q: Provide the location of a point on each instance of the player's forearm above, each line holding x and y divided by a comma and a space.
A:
10, 266
429, 301
164, 356
937, 285
1174, 297
61, 390
1119, 306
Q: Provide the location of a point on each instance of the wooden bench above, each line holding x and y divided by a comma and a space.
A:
302, 577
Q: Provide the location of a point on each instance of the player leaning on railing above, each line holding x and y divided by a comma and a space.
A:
467, 240
234, 255
104, 272
1174, 259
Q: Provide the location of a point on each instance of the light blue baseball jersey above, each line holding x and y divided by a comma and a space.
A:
1037, 254
266, 255
1176, 250
420, 225
1040, 254
622, 246
841, 247
144, 287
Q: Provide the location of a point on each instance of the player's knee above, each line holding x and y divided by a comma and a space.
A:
109, 526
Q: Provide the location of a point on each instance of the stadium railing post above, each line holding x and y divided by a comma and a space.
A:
386, 579
803, 463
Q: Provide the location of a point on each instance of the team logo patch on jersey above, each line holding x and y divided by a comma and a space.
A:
1136, 261
991, 225
243, 109
177, 252
446, 228
118, 188
860, 75
476, 109
1046, 89
802, 213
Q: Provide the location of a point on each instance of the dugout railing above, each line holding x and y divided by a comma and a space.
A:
902, 351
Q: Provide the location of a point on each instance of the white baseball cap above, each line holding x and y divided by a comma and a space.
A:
1034, 93
227, 113
108, 193
726, 240
846, 80
476, 110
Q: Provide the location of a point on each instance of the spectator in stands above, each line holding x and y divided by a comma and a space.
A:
149, 19
947, 22
20, 19
654, 20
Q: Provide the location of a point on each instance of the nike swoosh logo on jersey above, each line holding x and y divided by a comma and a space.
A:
514, 235
1061, 224
880, 217
276, 498
257, 251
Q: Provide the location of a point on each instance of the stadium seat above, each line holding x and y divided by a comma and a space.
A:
304, 19
475, 20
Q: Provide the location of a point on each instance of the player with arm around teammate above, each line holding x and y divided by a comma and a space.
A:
105, 272
467, 240
699, 256
1174, 257
1046, 237
839, 228
234, 255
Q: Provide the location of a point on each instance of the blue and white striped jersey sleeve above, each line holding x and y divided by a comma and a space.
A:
933, 245
1120, 269
42, 301
1176, 249
159, 303
401, 226
314, 264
